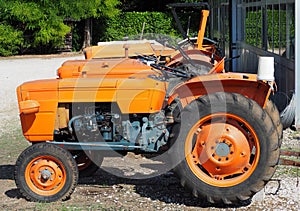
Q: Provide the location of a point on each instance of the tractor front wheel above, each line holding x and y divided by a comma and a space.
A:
45, 173
227, 148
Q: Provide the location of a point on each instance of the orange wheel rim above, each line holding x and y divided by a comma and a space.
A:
222, 149
83, 162
45, 175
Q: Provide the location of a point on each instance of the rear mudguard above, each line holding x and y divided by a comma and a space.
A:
241, 83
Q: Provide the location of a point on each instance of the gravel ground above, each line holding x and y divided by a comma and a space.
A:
105, 190
14, 72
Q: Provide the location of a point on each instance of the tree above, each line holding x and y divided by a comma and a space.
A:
41, 23
85, 10
10, 40
149, 6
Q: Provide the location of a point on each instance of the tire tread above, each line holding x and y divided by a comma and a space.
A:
254, 111
47, 149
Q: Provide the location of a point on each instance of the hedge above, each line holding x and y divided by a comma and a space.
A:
131, 23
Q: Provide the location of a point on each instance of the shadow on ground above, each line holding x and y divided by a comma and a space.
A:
165, 187
7, 172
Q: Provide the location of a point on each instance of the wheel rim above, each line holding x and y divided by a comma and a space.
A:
83, 162
45, 175
222, 149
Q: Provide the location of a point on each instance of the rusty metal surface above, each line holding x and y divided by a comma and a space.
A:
290, 153
289, 160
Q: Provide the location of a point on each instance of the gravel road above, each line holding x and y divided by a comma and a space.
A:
106, 191
14, 72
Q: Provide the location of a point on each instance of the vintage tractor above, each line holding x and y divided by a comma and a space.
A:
219, 130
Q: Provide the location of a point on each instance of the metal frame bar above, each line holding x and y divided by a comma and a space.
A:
283, 8
297, 63
278, 59
268, 2
233, 31
174, 6
120, 146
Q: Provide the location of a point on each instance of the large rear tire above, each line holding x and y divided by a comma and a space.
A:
227, 148
273, 112
45, 173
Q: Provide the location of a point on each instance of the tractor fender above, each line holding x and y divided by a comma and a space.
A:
241, 83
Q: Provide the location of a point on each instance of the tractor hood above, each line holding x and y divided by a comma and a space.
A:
129, 48
109, 68
133, 94
38, 100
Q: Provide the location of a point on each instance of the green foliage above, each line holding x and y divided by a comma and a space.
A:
153, 5
40, 26
10, 40
82, 9
77, 36
131, 23
276, 28
253, 26
37, 19
42, 23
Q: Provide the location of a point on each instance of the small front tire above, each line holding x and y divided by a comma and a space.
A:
45, 173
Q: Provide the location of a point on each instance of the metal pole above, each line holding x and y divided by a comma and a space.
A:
297, 63
233, 33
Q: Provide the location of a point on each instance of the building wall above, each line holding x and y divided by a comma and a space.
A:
251, 28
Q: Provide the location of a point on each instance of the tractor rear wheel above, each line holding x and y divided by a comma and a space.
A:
273, 112
45, 173
227, 148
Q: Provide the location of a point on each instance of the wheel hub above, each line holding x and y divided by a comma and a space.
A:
46, 174
222, 149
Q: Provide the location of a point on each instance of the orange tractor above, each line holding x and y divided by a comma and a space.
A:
219, 130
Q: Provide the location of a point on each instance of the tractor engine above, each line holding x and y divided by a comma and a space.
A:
101, 125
